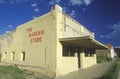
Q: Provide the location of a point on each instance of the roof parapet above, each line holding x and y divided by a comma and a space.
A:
57, 7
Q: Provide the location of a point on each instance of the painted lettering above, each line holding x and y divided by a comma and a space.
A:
37, 33
35, 36
29, 29
35, 40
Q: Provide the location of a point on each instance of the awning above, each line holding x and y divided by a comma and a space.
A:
84, 42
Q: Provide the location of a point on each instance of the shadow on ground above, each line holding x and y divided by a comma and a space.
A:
94, 72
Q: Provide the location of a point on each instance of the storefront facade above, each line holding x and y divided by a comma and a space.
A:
53, 41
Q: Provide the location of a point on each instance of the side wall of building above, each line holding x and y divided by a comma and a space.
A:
32, 44
103, 52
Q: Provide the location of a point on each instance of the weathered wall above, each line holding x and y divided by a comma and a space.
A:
72, 28
36, 39
69, 64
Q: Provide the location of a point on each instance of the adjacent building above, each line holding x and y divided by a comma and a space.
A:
110, 53
54, 41
117, 51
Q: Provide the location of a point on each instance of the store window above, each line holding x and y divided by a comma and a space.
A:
89, 53
69, 51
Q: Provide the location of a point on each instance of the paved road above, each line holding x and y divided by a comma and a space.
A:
93, 72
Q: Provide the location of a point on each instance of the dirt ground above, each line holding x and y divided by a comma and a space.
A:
93, 72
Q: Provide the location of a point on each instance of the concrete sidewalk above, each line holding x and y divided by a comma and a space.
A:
93, 72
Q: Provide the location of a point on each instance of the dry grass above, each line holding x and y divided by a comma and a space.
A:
11, 72
112, 72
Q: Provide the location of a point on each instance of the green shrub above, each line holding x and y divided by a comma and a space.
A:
102, 58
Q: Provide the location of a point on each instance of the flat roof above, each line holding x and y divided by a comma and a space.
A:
85, 42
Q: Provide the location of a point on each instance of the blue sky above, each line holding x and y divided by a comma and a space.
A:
100, 16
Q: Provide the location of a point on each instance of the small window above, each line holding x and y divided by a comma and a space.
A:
22, 56
13, 55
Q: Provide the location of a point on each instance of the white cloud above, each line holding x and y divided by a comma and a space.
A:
76, 2
36, 9
51, 3
34, 17
115, 34
64, 9
57, 1
80, 2
72, 14
112, 27
34, 5
101, 36
2, 1
54, 2
69, 12
10, 26
87, 2
7, 31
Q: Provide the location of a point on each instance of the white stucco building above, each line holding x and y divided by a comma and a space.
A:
54, 42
